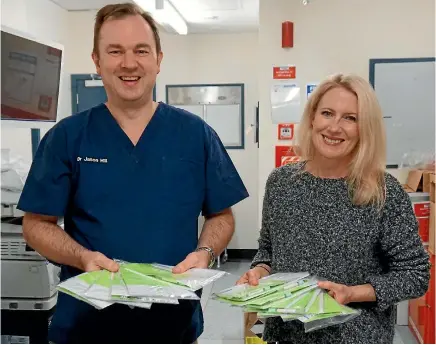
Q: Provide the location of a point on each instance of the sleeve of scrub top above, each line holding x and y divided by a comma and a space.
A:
224, 187
408, 266
47, 187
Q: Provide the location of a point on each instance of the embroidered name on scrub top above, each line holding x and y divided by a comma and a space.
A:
93, 160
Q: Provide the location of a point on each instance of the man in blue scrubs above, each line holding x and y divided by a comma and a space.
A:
130, 177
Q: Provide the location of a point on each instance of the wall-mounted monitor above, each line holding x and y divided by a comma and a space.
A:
31, 75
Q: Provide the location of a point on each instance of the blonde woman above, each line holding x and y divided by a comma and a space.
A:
339, 215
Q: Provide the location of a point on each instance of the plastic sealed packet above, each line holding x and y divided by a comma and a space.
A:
78, 285
316, 303
120, 294
285, 277
118, 283
194, 278
290, 317
142, 285
244, 292
286, 291
267, 285
101, 287
333, 313
251, 297
296, 303
291, 296
322, 321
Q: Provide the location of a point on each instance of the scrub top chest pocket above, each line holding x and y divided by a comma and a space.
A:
183, 180
97, 181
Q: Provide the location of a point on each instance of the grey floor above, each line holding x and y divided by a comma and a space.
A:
224, 325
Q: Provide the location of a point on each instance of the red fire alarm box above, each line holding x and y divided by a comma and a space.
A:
286, 155
287, 35
286, 131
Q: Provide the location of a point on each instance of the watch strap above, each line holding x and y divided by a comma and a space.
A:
212, 255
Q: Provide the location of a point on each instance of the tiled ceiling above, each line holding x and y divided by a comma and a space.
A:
202, 16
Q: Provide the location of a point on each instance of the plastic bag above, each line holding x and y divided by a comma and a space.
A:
142, 285
78, 285
240, 294
299, 298
101, 286
195, 278
14, 171
120, 294
323, 311
418, 160
138, 285
286, 293
321, 321
158, 281
296, 303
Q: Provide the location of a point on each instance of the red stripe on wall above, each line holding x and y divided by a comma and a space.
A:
15, 113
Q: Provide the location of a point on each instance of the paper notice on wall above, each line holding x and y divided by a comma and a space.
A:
284, 72
285, 103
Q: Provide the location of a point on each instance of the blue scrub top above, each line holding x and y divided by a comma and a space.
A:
138, 203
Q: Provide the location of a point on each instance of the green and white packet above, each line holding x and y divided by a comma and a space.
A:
101, 287
193, 279
287, 290
142, 285
120, 294
269, 284
332, 313
300, 299
295, 304
78, 285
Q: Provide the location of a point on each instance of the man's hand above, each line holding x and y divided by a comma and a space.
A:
95, 261
344, 294
198, 259
252, 276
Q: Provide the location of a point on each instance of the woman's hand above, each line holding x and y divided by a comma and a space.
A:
252, 276
344, 294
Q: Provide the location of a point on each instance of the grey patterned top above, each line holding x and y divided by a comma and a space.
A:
310, 225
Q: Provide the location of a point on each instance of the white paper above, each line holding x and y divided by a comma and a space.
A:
285, 103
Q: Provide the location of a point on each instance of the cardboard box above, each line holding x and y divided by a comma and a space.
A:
432, 187
418, 181
250, 337
431, 235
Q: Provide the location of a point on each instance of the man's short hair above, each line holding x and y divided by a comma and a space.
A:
118, 11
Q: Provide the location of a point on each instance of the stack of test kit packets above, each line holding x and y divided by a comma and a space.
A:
291, 296
138, 285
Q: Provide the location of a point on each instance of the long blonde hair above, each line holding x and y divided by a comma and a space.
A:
366, 179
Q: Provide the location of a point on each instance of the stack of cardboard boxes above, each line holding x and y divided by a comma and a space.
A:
421, 188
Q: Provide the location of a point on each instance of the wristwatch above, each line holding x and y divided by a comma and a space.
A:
212, 255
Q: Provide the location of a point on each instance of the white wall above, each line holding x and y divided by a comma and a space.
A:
198, 59
228, 58
44, 19
335, 36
